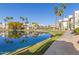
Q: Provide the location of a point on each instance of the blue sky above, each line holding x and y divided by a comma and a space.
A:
40, 13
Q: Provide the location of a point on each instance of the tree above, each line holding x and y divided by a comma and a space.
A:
35, 25
7, 18
59, 12
25, 19
15, 34
56, 13
70, 23
15, 25
62, 11
5, 21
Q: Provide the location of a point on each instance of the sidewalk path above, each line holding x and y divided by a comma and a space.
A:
66, 45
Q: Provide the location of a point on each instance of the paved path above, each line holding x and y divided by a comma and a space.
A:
66, 45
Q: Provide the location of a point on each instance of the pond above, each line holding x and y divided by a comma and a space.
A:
12, 40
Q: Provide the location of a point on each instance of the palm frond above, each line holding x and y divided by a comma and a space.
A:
9, 17
63, 6
56, 10
62, 11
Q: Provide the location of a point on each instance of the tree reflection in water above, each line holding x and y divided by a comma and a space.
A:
18, 34
8, 41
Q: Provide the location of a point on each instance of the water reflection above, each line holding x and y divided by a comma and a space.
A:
15, 34
9, 36
13, 40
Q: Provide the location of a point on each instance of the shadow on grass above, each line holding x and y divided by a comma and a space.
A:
40, 51
43, 48
58, 34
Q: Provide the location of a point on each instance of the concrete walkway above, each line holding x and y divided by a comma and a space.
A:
66, 45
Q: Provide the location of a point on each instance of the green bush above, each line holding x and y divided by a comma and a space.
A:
76, 31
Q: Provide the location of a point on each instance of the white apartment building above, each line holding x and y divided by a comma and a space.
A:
70, 22
76, 17
63, 24
60, 24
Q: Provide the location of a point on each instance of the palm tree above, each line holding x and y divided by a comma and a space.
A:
7, 18
59, 12
73, 20
62, 11
24, 19
5, 23
56, 13
70, 23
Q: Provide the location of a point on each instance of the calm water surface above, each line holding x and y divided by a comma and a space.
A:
11, 41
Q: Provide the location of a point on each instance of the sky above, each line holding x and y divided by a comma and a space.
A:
42, 13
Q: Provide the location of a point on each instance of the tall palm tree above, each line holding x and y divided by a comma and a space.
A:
61, 12
7, 18
73, 20
5, 22
24, 19
70, 23
56, 13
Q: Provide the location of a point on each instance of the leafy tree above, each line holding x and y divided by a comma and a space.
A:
15, 25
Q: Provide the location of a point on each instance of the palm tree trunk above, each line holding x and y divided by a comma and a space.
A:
56, 22
73, 21
5, 26
62, 27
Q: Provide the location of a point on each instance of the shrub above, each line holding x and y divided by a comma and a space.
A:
76, 31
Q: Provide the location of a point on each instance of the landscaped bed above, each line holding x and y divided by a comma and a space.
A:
76, 31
